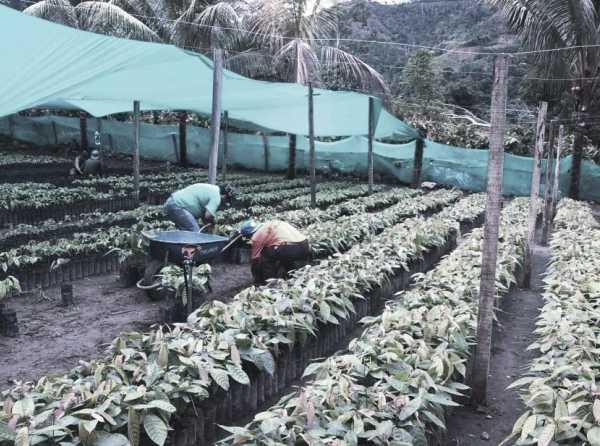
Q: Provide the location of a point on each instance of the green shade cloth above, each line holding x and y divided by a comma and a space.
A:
49, 65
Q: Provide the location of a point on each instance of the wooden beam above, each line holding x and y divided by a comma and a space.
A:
487, 287
556, 179
136, 149
215, 121
548, 183
265, 142
538, 153
418, 161
311, 141
370, 150
291, 172
183, 139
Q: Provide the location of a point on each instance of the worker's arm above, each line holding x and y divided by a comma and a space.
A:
77, 167
210, 210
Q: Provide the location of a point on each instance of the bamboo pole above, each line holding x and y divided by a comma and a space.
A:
311, 140
215, 122
136, 151
487, 289
538, 152
370, 151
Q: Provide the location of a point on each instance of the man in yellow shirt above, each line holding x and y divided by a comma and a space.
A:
276, 246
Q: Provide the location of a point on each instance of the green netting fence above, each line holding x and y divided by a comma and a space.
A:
443, 164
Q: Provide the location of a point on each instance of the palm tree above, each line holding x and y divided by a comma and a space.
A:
544, 25
95, 16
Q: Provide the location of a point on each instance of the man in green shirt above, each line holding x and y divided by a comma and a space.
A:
197, 201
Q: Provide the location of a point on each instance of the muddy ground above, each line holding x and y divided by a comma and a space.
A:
53, 339
489, 426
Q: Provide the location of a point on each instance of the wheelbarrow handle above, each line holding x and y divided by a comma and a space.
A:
235, 239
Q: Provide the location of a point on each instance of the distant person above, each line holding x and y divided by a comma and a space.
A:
198, 201
88, 166
276, 246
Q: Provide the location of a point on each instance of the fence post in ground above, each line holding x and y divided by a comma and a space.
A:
265, 142
225, 145
418, 161
83, 130
183, 139
291, 171
548, 182
215, 120
487, 288
556, 180
311, 141
55, 133
136, 149
370, 151
538, 152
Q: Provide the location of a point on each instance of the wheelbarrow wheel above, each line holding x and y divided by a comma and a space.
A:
149, 282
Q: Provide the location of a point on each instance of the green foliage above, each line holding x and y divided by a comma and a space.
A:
419, 79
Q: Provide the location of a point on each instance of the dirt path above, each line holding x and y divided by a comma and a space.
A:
53, 339
510, 358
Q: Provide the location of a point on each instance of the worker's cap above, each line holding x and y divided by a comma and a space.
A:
248, 228
95, 155
228, 191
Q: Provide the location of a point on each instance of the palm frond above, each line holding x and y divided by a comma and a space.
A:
59, 11
353, 69
250, 63
297, 61
107, 18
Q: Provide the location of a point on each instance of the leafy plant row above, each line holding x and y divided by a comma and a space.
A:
149, 376
11, 160
561, 394
395, 381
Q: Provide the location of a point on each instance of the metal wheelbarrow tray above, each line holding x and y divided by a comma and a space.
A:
167, 246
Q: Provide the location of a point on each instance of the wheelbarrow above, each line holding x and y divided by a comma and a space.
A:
185, 249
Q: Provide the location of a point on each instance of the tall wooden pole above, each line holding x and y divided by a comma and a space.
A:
370, 151
83, 130
265, 142
538, 153
215, 121
487, 288
291, 172
136, 150
225, 145
556, 179
183, 138
311, 141
418, 161
548, 183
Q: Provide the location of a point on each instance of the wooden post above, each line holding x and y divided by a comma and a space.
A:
83, 130
311, 141
215, 120
487, 288
418, 162
136, 151
183, 139
225, 145
55, 133
548, 183
556, 179
370, 151
265, 150
538, 152
175, 150
291, 172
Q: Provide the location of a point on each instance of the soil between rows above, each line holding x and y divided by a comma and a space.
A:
53, 339
513, 333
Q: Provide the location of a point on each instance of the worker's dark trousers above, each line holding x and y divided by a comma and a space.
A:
277, 261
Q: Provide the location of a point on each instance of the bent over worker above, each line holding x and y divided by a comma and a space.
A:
197, 201
275, 248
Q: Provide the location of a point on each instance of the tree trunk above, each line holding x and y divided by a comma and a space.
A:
291, 172
136, 151
311, 140
225, 145
418, 161
538, 152
487, 289
215, 121
83, 130
183, 139
370, 151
